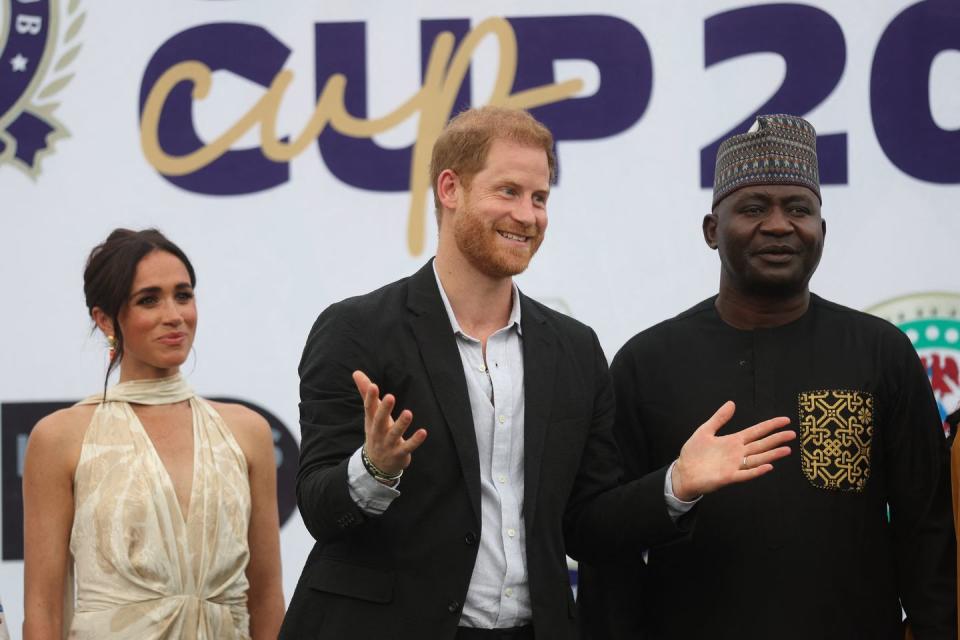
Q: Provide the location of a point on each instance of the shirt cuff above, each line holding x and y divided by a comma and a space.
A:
675, 506
371, 496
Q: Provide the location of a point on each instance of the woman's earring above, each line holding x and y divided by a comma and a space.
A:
112, 341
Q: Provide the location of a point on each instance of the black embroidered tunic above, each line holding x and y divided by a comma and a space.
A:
811, 550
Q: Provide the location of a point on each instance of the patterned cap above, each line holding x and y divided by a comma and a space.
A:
777, 149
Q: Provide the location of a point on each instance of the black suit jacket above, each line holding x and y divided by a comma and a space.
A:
405, 573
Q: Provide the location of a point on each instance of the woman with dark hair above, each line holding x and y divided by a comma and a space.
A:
157, 506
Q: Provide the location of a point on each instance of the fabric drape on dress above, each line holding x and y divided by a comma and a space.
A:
144, 570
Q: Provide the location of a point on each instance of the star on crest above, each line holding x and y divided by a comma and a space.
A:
18, 62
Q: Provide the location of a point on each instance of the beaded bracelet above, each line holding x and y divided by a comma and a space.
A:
375, 471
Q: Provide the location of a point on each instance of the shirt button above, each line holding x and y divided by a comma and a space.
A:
502, 419
502, 479
511, 532
743, 363
508, 592
470, 538
483, 368
453, 606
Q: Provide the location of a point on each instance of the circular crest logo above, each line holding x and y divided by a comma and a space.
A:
35, 57
932, 322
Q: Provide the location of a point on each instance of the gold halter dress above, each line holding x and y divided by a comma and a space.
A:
144, 570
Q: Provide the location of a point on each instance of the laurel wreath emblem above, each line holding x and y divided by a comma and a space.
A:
40, 99
75, 19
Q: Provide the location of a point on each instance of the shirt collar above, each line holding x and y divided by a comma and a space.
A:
513, 321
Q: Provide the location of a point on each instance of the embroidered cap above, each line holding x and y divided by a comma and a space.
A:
778, 149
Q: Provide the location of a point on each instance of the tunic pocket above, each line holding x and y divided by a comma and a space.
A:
836, 432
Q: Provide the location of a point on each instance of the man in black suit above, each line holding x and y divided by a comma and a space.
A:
519, 468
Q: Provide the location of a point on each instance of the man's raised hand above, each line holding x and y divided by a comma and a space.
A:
384, 443
708, 462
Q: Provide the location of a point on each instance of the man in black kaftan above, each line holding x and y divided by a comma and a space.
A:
856, 521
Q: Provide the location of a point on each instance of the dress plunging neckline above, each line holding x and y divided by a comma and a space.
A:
166, 479
154, 392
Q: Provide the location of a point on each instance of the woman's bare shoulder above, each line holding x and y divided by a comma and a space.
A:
61, 432
249, 427
64, 422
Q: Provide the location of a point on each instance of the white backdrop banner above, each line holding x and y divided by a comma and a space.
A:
284, 146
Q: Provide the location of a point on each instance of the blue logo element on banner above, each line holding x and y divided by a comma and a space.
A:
30, 75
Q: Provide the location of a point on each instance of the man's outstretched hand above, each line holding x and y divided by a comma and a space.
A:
708, 461
385, 445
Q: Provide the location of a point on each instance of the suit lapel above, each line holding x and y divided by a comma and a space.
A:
441, 358
539, 375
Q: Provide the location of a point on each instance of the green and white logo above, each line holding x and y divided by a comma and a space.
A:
932, 322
